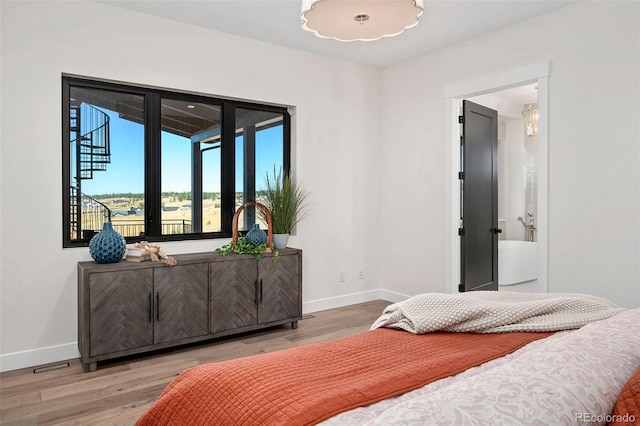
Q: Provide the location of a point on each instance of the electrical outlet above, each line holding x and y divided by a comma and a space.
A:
341, 276
361, 274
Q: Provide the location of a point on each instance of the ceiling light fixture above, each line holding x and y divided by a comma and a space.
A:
530, 115
364, 20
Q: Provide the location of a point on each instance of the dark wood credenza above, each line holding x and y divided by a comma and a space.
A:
127, 308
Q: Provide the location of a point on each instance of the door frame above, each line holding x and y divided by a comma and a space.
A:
454, 94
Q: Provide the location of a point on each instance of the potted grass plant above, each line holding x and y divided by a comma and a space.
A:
287, 202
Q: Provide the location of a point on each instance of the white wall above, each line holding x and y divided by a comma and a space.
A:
594, 155
335, 126
378, 189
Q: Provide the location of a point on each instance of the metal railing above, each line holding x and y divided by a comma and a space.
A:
93, 214
93, 141
135, 228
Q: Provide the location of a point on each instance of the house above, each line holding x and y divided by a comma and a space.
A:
371, 144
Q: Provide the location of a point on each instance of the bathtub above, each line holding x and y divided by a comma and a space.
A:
517, 261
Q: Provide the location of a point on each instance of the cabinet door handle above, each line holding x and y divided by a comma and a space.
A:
255, 295
150, 308
158, 306
260, 290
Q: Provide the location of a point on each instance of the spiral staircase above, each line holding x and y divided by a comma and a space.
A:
89, 129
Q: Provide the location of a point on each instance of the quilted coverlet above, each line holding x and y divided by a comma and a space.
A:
495, 312
570, 378
308, 384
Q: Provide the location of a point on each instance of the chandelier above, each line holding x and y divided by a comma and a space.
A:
530, 115
364, 20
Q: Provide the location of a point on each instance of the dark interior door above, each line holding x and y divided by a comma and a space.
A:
479, 199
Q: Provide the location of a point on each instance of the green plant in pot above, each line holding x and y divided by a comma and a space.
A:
287, 202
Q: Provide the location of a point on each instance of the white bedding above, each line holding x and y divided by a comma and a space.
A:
561, 380
495, 312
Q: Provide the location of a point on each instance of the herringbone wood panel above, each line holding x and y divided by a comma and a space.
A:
280, 288
181, 309
233, 294
120, 308
121, 390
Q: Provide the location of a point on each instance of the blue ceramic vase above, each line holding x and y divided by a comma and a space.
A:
256, 236
107, 246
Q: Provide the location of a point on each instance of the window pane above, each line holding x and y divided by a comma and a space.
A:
259, 149
154, 161
211, 195
106, 162
190, 167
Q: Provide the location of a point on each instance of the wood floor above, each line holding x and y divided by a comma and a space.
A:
120, 391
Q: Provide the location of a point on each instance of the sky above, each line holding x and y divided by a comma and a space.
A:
125, 173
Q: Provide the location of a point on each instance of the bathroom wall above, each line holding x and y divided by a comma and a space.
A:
515, 178
502, 178
531, 176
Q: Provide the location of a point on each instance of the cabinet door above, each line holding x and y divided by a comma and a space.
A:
280, 288
120, 308
233, 294
180, 298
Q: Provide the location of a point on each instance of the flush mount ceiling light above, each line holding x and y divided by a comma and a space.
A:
364, 20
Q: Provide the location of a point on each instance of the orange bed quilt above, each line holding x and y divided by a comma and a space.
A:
308, 384
626, 411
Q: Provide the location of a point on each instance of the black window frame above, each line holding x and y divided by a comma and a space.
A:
152, 156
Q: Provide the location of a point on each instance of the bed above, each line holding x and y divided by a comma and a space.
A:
475, 358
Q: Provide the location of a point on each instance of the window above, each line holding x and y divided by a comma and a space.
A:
163, 165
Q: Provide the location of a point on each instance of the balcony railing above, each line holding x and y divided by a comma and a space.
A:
135, 228
93, 214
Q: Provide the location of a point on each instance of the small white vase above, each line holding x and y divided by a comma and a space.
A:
280, 241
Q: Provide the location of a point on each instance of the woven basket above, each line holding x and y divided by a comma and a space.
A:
267, 214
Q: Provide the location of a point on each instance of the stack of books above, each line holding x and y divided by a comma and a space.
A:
137, 255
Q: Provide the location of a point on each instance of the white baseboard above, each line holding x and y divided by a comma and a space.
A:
351, 299
392, 296
38, 357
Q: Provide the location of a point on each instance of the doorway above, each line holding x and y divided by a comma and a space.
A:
517, 160
479, 194
454, 95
